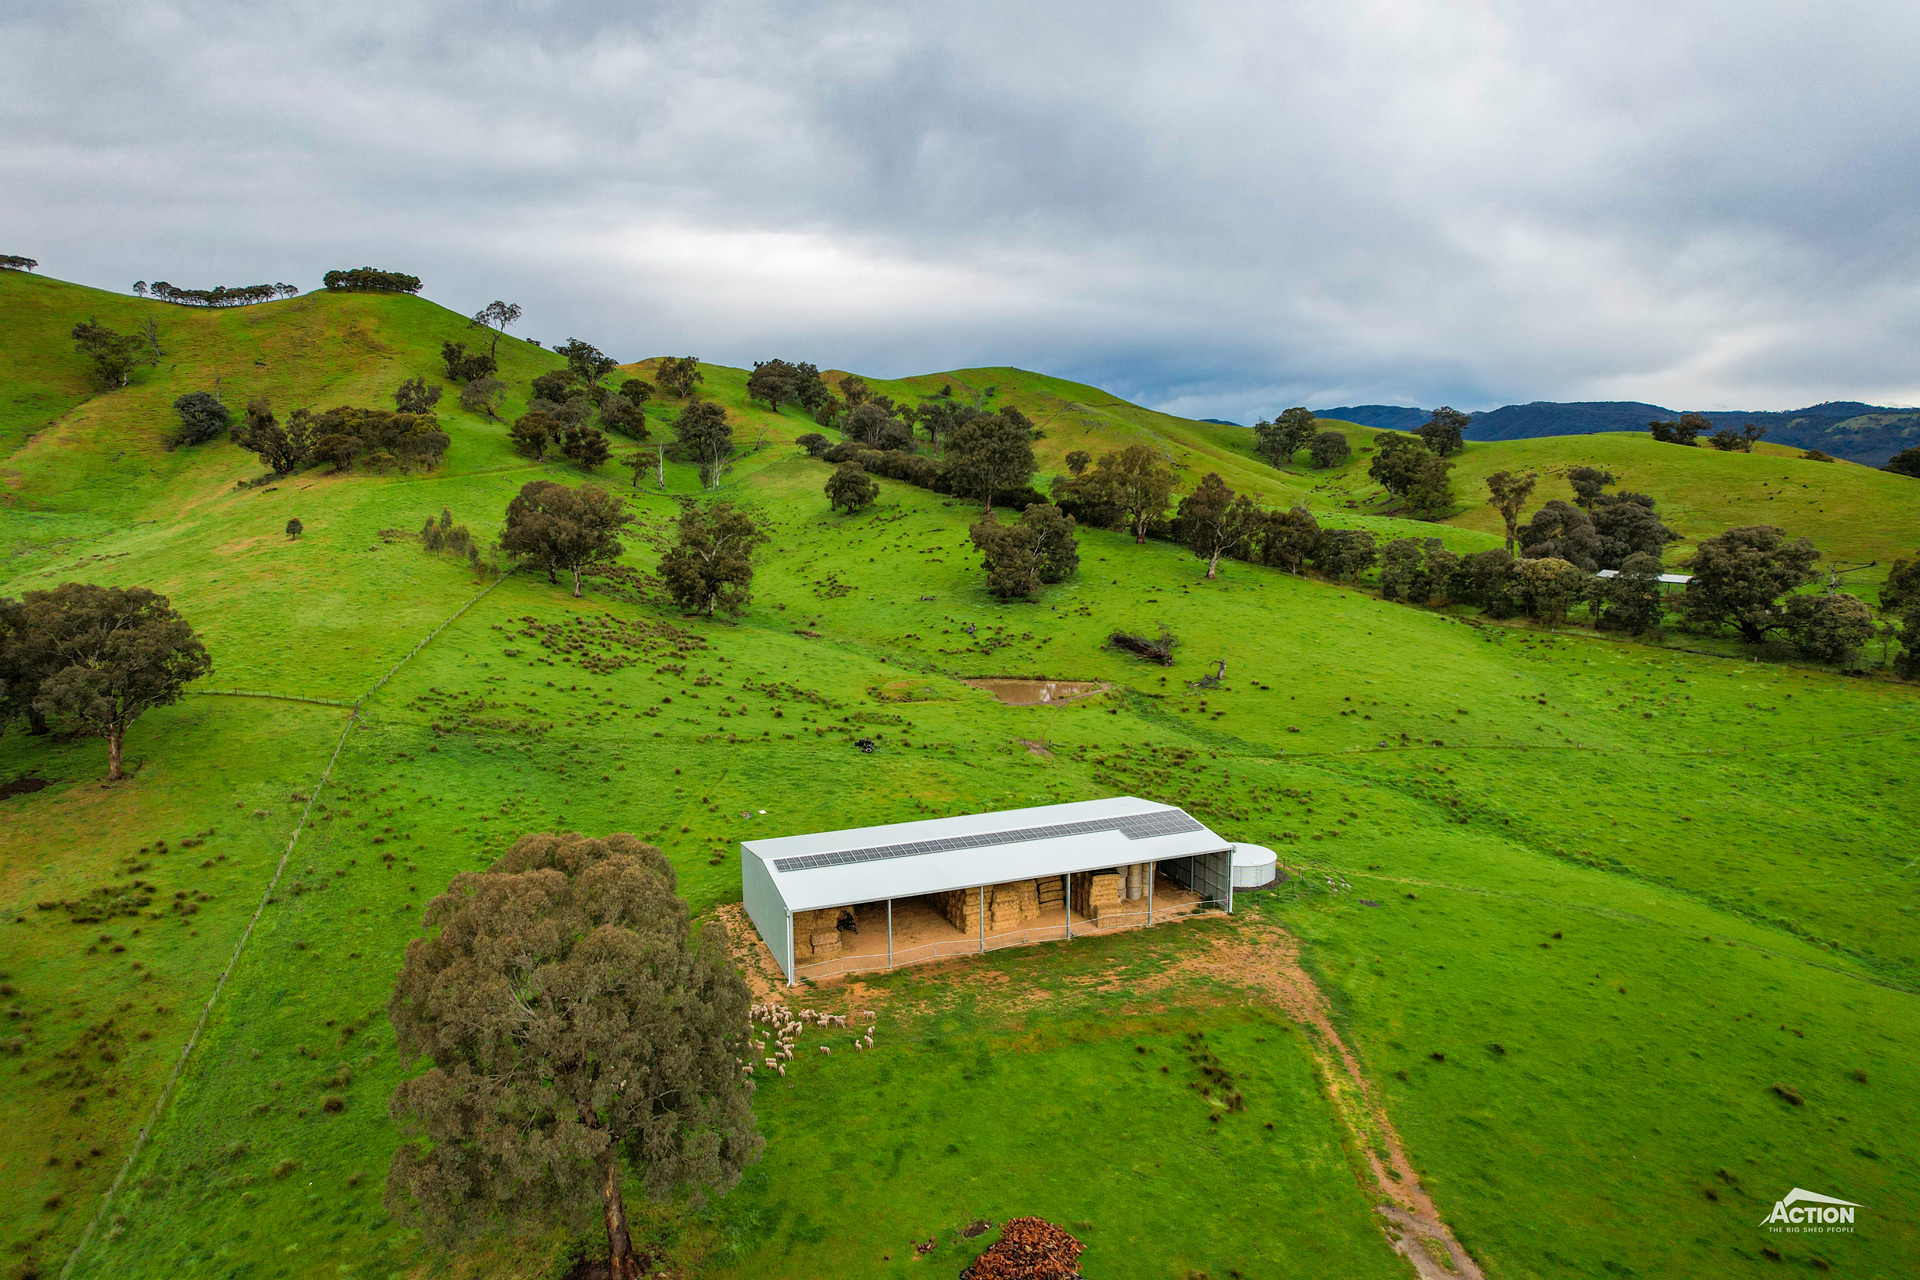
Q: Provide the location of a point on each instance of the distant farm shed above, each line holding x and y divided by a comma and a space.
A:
876, 897
1666, 579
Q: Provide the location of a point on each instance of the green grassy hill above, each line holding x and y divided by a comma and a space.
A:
1576, 905
1852, 513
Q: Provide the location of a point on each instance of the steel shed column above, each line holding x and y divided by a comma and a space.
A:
889, 933
983, 919
790, 964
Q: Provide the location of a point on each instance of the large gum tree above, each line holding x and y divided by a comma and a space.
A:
580, 1033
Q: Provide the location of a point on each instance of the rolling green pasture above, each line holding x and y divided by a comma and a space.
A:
1852, 513
1723, 847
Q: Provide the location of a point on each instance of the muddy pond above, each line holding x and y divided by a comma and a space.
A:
1033, 693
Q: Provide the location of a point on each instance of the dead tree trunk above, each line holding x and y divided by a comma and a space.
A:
621, 1262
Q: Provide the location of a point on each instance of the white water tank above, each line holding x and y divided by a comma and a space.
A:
1253, 866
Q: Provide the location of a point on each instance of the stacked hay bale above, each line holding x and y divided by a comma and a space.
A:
1097, 891
1138, 877
1012, 905
1051, 892
961, 907
816, 935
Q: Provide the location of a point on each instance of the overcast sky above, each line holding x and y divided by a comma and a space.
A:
1217, 209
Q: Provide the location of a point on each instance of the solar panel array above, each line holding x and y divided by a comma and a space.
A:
1134, 826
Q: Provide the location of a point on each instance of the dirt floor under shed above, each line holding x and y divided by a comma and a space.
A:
923, 933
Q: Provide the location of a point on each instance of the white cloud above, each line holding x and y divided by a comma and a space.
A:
1220, 208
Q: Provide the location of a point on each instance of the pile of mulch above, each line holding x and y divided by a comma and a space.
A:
1029, 1249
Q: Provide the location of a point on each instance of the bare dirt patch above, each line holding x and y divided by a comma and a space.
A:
750, 955
24, 785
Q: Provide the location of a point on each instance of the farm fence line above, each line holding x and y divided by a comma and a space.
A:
233, 961
268, 693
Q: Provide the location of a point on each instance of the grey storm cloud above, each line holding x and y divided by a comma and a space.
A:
1219, 209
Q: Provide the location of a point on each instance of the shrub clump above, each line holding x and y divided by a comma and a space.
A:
202, 418
444, 535
1021, 558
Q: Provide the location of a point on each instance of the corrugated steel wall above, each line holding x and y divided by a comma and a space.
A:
1213, 876
1208, 874
767, 909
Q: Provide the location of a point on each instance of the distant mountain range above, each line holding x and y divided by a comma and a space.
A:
1863, 433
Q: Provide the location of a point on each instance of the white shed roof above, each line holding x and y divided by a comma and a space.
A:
1671, 579
866, 864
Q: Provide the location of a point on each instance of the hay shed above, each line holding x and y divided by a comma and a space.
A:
877, 897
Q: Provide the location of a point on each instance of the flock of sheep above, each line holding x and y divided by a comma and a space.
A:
783, 1028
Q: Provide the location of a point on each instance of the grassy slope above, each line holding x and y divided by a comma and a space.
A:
1760, 807
1852, 513
1076, 416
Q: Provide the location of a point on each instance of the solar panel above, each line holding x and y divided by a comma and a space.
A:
1134, 826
